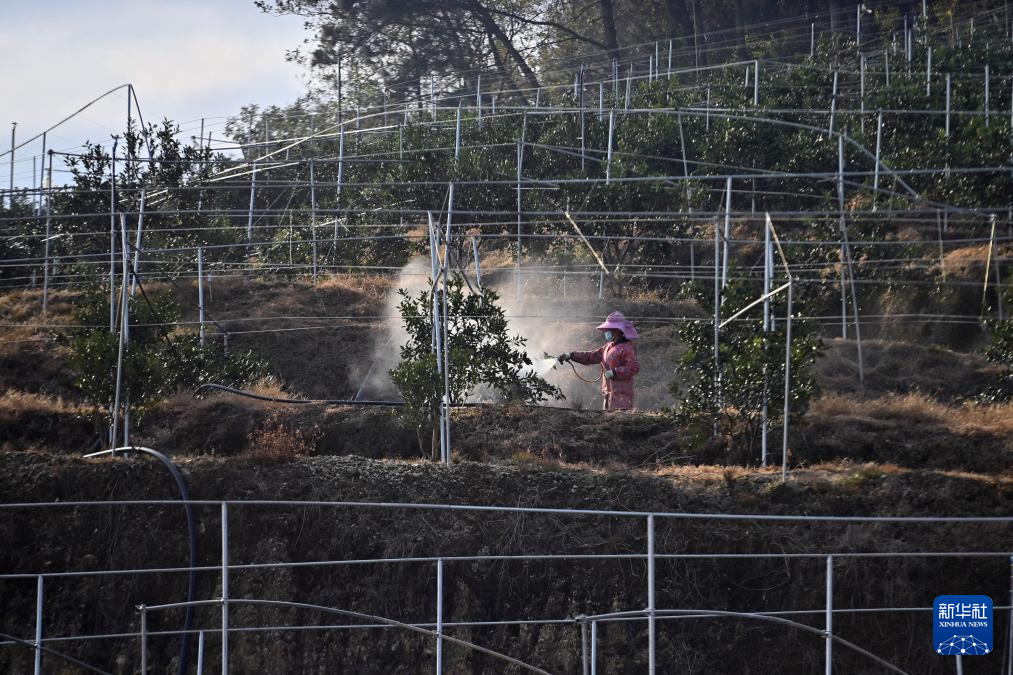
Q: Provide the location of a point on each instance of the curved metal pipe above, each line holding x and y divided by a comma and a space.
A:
191, 526
358, 615
47, 650
704, 613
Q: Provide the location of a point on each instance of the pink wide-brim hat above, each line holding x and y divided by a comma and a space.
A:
616, 321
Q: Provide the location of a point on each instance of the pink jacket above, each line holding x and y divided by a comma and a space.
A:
621, 359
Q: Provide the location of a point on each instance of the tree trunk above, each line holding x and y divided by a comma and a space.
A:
434, 447
493, 28
608, 24
501, 65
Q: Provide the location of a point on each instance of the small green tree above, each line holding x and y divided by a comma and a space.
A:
1000, 352
481, 352
157, 359
750, 361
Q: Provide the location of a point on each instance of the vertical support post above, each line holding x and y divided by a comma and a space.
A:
439, 616
947, 105
10, 198
585, 660
841, 252
253, 197
112, 239
200, 653
987, 95
520, 168
670, 59
787, 383
601, 101
137, 245
928, 72
767, 272
1009, 627
939, 228
594, 648
886, 66
756, 84
39, 600
457, 135
49, 229
313, 216
629, 84
812, 40
478, 268
651, 627
728, 232
861, 90
144, 638
833, 105
124, 328
446, 332
846, 248
717, 318
879, 148
707, 114
478, 100
685, 163
829, 654
608, 160
583, 134
225, 588
341, 161
42, 172
437, 323
200, 291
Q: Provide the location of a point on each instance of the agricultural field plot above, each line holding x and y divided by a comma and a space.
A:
311, 394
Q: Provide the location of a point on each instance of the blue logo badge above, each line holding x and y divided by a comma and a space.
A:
962, 625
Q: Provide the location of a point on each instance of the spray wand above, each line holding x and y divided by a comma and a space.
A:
582, 379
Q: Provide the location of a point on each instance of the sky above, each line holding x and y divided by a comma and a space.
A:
187, 59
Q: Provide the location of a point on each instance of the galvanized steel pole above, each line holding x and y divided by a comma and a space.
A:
829, 655
439, 616
49, 223
787, 384
144, 639
10, 198
651, 627
225, 588
39, 599
200, 291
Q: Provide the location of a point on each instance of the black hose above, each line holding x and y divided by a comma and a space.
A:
191, 526
333, 401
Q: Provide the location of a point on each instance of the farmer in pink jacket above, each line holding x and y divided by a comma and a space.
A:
617, 359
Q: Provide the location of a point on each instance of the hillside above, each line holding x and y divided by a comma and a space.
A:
860, 187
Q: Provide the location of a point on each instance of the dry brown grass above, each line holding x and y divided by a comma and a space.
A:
25, 306
894, 366
966, 263
278, 441
914, 409
911, 430
30, 421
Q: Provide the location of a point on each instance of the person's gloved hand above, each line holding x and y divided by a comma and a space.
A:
564, 357
609, 374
